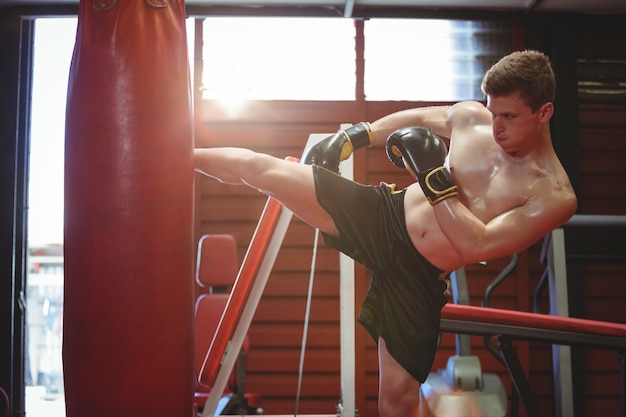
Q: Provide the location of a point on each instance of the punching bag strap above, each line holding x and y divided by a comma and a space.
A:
104, 5
157, 4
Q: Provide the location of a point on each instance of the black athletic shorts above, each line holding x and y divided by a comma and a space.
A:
405, 296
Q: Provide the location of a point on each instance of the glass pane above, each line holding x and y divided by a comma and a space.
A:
278, 59
54, 41
430, 60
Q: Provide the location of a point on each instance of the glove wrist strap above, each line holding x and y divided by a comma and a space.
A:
437, 184
360, 136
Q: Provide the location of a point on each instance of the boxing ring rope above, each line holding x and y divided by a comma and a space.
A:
245, 296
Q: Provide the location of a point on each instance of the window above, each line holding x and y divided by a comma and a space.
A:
54, 41
314, 58
430, 60
278, 59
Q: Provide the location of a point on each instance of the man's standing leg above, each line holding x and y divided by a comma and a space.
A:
398, 391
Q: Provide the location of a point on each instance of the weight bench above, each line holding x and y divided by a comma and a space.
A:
508, 325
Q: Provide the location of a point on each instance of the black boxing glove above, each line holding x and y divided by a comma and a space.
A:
422, 153
328, 152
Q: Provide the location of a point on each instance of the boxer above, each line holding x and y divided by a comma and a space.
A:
488, 184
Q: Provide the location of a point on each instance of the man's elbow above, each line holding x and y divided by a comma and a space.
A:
481, 251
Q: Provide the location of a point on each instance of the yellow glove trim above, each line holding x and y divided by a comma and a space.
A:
347, 148
441, 194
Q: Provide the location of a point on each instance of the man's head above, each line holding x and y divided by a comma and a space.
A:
528, 73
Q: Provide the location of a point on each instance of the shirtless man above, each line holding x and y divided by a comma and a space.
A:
502, 189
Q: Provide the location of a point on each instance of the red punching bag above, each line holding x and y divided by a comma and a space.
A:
128, 306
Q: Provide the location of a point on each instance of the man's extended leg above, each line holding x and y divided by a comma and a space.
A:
398, 391
289, 182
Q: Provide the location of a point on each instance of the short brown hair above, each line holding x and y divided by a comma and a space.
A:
528, 73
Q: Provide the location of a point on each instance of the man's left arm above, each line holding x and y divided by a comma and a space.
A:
510, 232
423, 154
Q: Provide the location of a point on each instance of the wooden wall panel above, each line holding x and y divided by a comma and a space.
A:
603, 172
603, 191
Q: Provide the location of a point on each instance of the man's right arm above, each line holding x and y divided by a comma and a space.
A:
329, 152
434, 117
468, 113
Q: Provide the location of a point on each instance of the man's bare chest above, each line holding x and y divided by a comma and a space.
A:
490, 184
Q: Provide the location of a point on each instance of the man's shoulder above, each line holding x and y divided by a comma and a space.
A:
554, 192
468, 113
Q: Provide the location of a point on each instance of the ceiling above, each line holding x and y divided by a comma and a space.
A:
375, 8
567, 6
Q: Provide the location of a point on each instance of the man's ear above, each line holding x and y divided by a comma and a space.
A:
546, 111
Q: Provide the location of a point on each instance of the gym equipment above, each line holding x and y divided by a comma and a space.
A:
507, 325
216, 270
557, 329
606, 245
245, 296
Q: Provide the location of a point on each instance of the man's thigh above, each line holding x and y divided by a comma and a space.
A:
292, 184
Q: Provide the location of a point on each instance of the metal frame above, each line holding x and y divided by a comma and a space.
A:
476, 324
346, 311
554, 253
559, 306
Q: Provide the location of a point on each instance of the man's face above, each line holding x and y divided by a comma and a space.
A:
515, 126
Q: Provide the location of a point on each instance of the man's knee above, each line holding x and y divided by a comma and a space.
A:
399, 391
399, 403
404, 406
